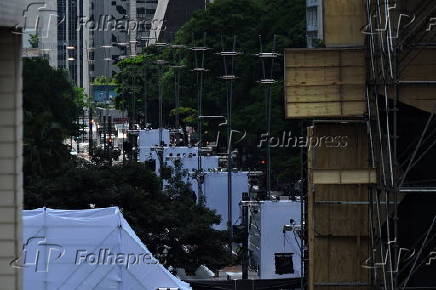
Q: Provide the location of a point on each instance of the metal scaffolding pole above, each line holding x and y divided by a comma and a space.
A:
389, 56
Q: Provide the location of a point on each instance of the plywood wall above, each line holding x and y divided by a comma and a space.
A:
419, 65
343, 22
324, 83
338, 233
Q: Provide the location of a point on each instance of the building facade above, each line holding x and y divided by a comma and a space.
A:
121, 29
73, 40
11, 189
40, 30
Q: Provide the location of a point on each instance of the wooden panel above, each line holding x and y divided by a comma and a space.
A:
343, 21
324, 83
340, 219
421, 66
338, 213
423, 98
326, 109
352, 156
345, 256
350, 176
312, 94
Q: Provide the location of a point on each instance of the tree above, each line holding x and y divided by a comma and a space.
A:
162, 221
51, 104
245, 19
53, 178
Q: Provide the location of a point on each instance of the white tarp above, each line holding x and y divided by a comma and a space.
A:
150, 137
215, 192
190, 163
273, 216
187, 155
180, 151
87, 249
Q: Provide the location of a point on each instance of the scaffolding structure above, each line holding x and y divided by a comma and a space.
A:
396, 33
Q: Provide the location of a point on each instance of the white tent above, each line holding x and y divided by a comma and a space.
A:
88, 249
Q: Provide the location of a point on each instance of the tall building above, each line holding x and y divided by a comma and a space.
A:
121, 29
125, 27
40, 30
11, 185
54, 29
171, 15
73, 40
314, 26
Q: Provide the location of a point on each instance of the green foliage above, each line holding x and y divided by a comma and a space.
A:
246, 19
81, 98
51, 104
34, 40
318, 43
189, 116
160, 220
102, 80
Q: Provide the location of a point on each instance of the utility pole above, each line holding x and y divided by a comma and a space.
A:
229, 77
145, 95
160, 63
107, 59
177, 68
268, 81
90, 139
199, 69
245, 207
110, 147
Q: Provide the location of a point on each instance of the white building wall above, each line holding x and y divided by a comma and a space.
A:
10, 152
267, 237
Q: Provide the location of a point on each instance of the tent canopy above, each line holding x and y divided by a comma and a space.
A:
87, 249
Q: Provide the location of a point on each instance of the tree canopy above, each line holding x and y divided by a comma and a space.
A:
51, 105
54, 178
218, 25
173, 227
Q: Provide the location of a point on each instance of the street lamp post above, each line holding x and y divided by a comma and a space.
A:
229, 77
